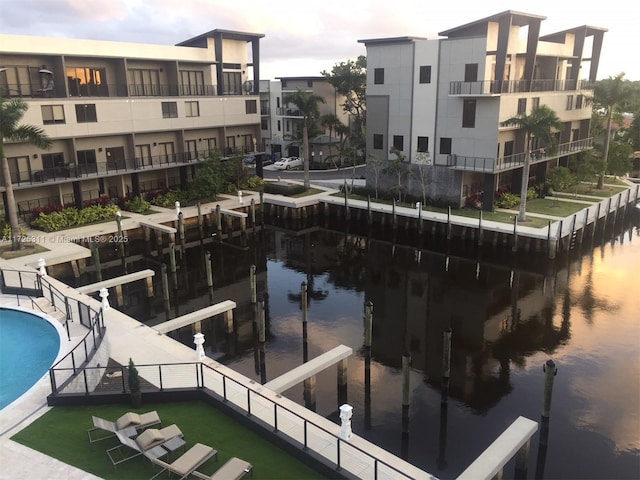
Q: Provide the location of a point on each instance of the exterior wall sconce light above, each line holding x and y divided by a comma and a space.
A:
100, 149
35, 155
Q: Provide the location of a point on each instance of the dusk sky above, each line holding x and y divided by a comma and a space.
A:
303, 38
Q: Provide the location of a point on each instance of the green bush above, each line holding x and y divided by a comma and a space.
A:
532, 193
283, 188
72, 217
169, 199
253, 183
137, 205
507, 200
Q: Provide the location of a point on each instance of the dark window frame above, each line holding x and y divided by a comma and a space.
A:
378, 141
425, 74
445, 145
169, 109
398, 142
86, 113
250, 106
469, 106
423, 144
51, 119
378, 76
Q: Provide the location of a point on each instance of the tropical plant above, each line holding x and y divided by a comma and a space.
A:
11, 112
610, 96
396, 167
560, 179
134, 384
137, 205
541, 124
307, 103
350, 80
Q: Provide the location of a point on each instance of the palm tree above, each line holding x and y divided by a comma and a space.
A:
609, 95
307, 103
539, 124
11, 112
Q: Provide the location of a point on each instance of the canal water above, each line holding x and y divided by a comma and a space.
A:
508, 318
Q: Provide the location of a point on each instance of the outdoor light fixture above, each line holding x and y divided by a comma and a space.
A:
44, 70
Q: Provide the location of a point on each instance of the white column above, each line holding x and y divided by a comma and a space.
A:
346, 412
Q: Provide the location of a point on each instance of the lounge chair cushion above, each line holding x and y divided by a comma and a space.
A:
191, 459
127, 420
150, 437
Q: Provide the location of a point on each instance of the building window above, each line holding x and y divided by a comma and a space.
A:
535, 103
398, 142
569, 102
52, 167
250, 106
468, 113
86, 162
52, 114
471, 72
169, 110
445, 146
579, 100
264, 124
19, 169
212, 144
309, 83
575, 134
377, 141
279, 126
192, 83
191, 109
423, 144
378, 76
277, 102
425, 74
87, 82
232, 83
86, 113
522, 106
144, 82
167, 152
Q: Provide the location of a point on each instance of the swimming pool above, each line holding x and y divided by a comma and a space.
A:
29, 345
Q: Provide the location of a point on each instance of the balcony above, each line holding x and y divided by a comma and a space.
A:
494, 88
511, 162
104, 90
289, 112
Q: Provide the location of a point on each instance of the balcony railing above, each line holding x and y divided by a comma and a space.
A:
289, 112
511, 162
110, 90
494, 87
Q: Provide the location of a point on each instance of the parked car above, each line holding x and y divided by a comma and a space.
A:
249, 160
288, 163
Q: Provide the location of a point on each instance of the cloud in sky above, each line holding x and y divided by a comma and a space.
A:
304, 38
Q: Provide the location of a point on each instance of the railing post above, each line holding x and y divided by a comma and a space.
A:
338, 454
248, 402
275, 417
224, 387
160, 377
305, 436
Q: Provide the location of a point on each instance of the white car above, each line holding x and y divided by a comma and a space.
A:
288, 163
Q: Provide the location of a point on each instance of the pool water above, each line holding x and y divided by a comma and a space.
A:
29, 345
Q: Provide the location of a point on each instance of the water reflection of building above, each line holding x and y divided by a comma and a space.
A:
498, 316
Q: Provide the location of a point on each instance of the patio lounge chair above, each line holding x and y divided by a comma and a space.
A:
132, 422
153, 443
233, 469
186, 464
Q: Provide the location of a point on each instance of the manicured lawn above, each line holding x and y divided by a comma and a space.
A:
503, 217
62, 433
311, 191
29, 249
591, 190
550, 206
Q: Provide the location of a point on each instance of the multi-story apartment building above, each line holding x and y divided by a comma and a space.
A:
279, 125
125, 118
442, 102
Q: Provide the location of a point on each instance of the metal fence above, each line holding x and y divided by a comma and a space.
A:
244, 396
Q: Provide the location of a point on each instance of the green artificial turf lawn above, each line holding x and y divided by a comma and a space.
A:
550, 206
62, 433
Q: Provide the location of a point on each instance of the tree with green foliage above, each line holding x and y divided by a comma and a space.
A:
350, 80
560, 179
11, 112
541, 124
395, 166
308, 104
585, 165
610, 96
211, 178
620, 158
